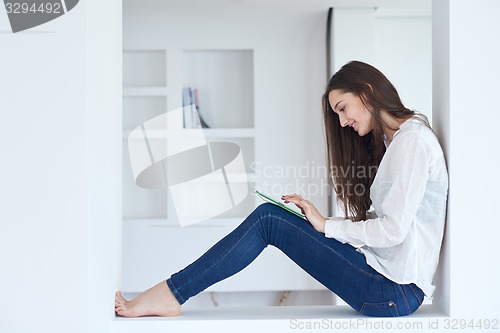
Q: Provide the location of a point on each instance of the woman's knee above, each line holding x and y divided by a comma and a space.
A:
260, 214
269, 210
265, 207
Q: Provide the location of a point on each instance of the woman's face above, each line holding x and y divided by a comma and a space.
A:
351, 111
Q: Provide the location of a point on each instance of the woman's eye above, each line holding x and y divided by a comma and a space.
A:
342, 110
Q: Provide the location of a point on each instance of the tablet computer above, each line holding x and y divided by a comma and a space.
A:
277, 203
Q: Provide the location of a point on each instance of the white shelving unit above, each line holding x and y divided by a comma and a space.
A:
250, 94
224, 80
144, 97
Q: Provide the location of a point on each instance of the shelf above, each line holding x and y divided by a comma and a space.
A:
169, 223
229, 132
208, 132
145, 91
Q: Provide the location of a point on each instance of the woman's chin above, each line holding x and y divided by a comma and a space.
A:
361, 133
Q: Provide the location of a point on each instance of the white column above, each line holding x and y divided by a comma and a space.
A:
43, 192
60, 197
104, 140
466, 117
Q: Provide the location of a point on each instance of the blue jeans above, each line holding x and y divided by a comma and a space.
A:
337, 266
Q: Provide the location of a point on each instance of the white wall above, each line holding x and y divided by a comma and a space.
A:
57, 217
403, 52
396, 41
466, 117
44, 238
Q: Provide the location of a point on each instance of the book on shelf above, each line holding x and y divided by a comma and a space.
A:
191, 107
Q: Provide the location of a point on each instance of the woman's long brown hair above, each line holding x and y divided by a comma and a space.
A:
354, 159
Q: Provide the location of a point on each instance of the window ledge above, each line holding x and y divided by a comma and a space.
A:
276, 318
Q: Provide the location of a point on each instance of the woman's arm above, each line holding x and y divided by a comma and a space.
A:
401, 187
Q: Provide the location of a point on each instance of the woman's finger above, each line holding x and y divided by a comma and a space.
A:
288, 199
292, 197
299, 202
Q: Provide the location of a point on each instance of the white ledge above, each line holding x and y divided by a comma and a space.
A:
272, 318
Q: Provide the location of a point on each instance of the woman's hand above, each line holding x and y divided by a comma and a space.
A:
308, 209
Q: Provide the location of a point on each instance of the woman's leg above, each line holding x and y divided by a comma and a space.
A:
337, 266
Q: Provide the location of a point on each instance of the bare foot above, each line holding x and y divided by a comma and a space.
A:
156, 301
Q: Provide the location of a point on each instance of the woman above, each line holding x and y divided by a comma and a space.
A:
380, 261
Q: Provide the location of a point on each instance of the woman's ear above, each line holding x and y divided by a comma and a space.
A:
366, 98
366, 95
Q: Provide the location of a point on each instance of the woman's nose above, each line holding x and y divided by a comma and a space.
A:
342, 120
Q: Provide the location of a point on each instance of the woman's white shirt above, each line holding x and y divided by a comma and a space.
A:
409, 193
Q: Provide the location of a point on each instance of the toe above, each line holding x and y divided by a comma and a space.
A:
119, 297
